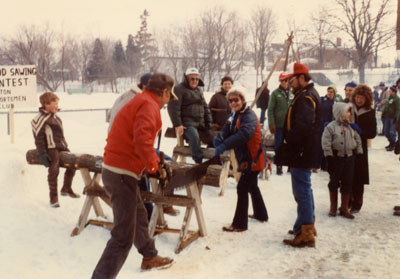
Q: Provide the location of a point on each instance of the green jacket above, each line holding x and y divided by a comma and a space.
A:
278, 106
190, 109
392, 107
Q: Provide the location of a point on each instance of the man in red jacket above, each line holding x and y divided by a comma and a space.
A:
128, 154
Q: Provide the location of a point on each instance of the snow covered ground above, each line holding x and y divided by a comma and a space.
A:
35, 239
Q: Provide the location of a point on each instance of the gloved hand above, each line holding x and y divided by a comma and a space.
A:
218, 141
164, 173
326, 123
219, 150
356, 127
272, 129
45, 158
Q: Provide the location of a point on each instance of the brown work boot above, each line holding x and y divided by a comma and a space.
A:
304, 239
170, 210
54, 200
333, 198
67, 191
344, 208
396, 213
156, 262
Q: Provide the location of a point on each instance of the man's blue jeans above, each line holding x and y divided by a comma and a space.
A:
278, 138
390, 129
193, 137
302, 192
262, 116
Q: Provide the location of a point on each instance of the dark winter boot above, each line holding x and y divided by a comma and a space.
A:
396, 207
54, 196
304, 239
344, 208
396, 213
391, 146
334, 200
279, 170
67, 191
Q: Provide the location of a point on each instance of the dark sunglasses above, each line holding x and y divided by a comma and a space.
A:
284, 80
194, 79
233, 100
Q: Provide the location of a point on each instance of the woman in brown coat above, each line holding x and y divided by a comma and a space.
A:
364, 117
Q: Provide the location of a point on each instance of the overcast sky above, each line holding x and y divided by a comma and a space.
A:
117, 18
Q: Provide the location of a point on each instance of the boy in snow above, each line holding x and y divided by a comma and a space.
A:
49, 140
340, 141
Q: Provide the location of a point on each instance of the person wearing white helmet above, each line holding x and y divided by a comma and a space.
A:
190, 113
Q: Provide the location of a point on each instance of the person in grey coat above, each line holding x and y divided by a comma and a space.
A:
339, 142
190, 113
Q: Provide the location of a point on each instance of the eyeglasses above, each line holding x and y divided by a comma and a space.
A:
292, 79
233, 100
194, 79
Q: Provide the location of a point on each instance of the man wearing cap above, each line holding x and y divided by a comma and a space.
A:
348, 91
300, 148
277, 108
128, 154
190, 113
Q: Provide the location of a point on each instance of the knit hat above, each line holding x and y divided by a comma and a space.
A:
144, 80
332, 86
381, 84
393, 88
296, 68
283, 76
350, 84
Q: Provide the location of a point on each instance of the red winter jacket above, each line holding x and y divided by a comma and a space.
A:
130, 143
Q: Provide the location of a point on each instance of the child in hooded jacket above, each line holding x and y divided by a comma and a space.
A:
340, 141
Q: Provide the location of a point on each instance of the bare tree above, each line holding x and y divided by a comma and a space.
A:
32, 45
365, 27
262, 26
319, 33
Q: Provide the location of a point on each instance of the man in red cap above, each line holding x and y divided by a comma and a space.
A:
277, 108
300, 150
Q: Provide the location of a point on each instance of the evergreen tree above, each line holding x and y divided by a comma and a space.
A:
119, 60
133, 57
96, 66
145, 42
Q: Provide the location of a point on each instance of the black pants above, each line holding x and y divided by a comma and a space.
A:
248, 183
130, 225
341, 171
357, 196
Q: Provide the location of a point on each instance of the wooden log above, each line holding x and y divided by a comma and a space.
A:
207, 152
67, 160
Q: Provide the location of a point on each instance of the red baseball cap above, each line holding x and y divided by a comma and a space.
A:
283, 75
296, 68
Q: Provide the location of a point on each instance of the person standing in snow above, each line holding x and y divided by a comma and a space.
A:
327, 102
219, 106
277, 108
364, 117
128, 153
299, 151
262, 103
190, 113
383, 96
242, 133
339, 142
50, 141
390, 113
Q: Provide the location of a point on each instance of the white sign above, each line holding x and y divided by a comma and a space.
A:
18, 87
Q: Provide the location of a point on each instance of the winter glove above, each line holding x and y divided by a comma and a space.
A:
326, 123
219, 150
164, 173
356, 127
218, 141
44, 159
272, 129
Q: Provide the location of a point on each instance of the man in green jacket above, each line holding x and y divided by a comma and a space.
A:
190, 113
391, 113
279, 102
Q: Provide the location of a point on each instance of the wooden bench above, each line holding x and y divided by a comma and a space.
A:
90, 168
